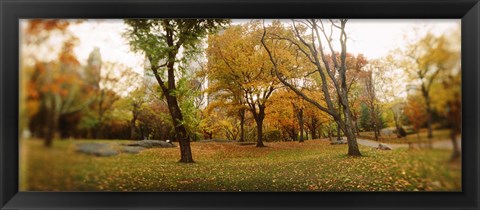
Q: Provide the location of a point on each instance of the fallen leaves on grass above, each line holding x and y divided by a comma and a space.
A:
282, 166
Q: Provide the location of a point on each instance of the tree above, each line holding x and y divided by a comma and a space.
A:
308, 38
58, 89
355, 66
161, 41
154, 121
229, 97
52, 86
389, 85
365, 118
299, 113
315, 119
238, 67
424, 60
454, 114
217, 121
397, 110
371, 102
135, 102
446, 96
288, 113
416, 112
105, 82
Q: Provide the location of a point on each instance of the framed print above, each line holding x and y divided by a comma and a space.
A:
239, 104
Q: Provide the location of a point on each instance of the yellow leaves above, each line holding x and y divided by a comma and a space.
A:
37, 26
237, 56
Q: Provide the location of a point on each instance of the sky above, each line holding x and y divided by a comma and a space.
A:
373, 38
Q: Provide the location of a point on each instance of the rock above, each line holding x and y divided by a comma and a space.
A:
342, 141
384, 147
106, 149
96, 149
132, 149
152, 144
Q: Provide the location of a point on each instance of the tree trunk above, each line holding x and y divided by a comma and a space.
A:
301, 124
339, 137
456, 149
242, 125
313, 130
51, 124
330, 133
352, 142
348, 126
373, 115
354, 126
338, 125
397, 124
259, 132
429, 124
132, 127
293, 134
180, 130
455, 126
259, 120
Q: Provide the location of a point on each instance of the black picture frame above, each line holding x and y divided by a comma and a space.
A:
13, 10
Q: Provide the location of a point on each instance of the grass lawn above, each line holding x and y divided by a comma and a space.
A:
283, 166
438, 135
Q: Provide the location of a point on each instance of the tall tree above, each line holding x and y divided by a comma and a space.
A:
453, 107
311, 38
162, 40
237, 65
106, 81
372, 103
282, 114
424, 60
388, 85
135, 102
58, 87
416, 112
52, 86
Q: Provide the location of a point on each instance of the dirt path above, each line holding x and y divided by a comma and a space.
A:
443, 144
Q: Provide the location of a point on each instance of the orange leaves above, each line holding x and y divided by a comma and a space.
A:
32, 91
69, 59
32, 106
415, 111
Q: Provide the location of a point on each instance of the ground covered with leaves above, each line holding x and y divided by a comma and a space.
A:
282, 166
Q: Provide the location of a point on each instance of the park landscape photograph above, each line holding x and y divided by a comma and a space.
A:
240, 105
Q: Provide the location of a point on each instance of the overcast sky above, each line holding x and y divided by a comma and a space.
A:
374, 38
